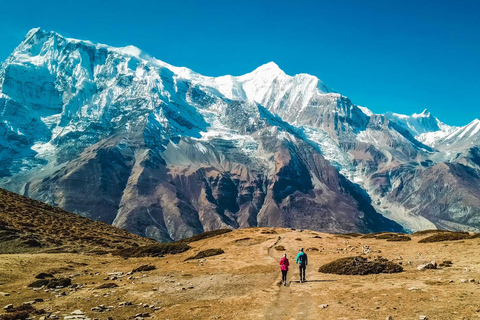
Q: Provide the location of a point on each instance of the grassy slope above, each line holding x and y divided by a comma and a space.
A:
27, 225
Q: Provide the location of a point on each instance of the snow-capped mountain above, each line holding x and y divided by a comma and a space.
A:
119, 136
454, 138
429, 130
418, 124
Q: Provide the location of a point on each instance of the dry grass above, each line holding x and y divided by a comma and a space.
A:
51, 283
205, 254
268, 231
373, 235
29, 226
384, 236
445, 236
393, 237
430, 231
108, 285
205, 235
145, 267
446, 264
359, 266
19, 315
354, 235
155, 250
22, 312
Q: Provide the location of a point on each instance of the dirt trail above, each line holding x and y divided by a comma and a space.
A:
293, 301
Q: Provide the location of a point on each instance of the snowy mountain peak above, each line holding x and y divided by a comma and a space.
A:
424, 114
131, 51
265, 73
270, 67
418, 124
454, 138
32, 32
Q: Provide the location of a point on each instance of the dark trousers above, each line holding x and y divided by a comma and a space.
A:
284, 276
302, 268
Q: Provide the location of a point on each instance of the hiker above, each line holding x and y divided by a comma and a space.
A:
284, 267
302, 259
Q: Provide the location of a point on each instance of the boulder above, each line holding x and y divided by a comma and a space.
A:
429, 265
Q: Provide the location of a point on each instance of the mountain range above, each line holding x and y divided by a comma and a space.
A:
118, 136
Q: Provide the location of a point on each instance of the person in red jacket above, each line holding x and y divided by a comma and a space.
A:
284, 267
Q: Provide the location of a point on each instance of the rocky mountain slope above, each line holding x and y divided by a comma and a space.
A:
164, 152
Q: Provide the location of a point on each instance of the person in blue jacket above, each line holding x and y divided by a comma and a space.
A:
302, 260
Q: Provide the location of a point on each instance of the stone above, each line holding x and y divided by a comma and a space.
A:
389, 318
366, 249
97, 309
429, 265
77, 312
44, 275
423, 318
116, 274
142, 315
323, 306
4, 294
8, 307
463, 280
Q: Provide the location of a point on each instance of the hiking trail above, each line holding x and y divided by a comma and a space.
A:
293, 301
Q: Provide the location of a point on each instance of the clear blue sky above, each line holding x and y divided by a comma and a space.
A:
400, 56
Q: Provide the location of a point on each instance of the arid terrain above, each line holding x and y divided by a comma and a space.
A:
243, 282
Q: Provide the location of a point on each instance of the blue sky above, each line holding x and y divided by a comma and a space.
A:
400, 56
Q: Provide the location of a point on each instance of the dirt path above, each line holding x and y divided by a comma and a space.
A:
293, 301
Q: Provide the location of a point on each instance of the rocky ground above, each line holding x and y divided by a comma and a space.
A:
243, 282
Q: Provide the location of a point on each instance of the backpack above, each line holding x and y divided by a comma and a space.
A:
302, 257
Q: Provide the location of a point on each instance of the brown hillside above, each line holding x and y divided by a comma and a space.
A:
27, 225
